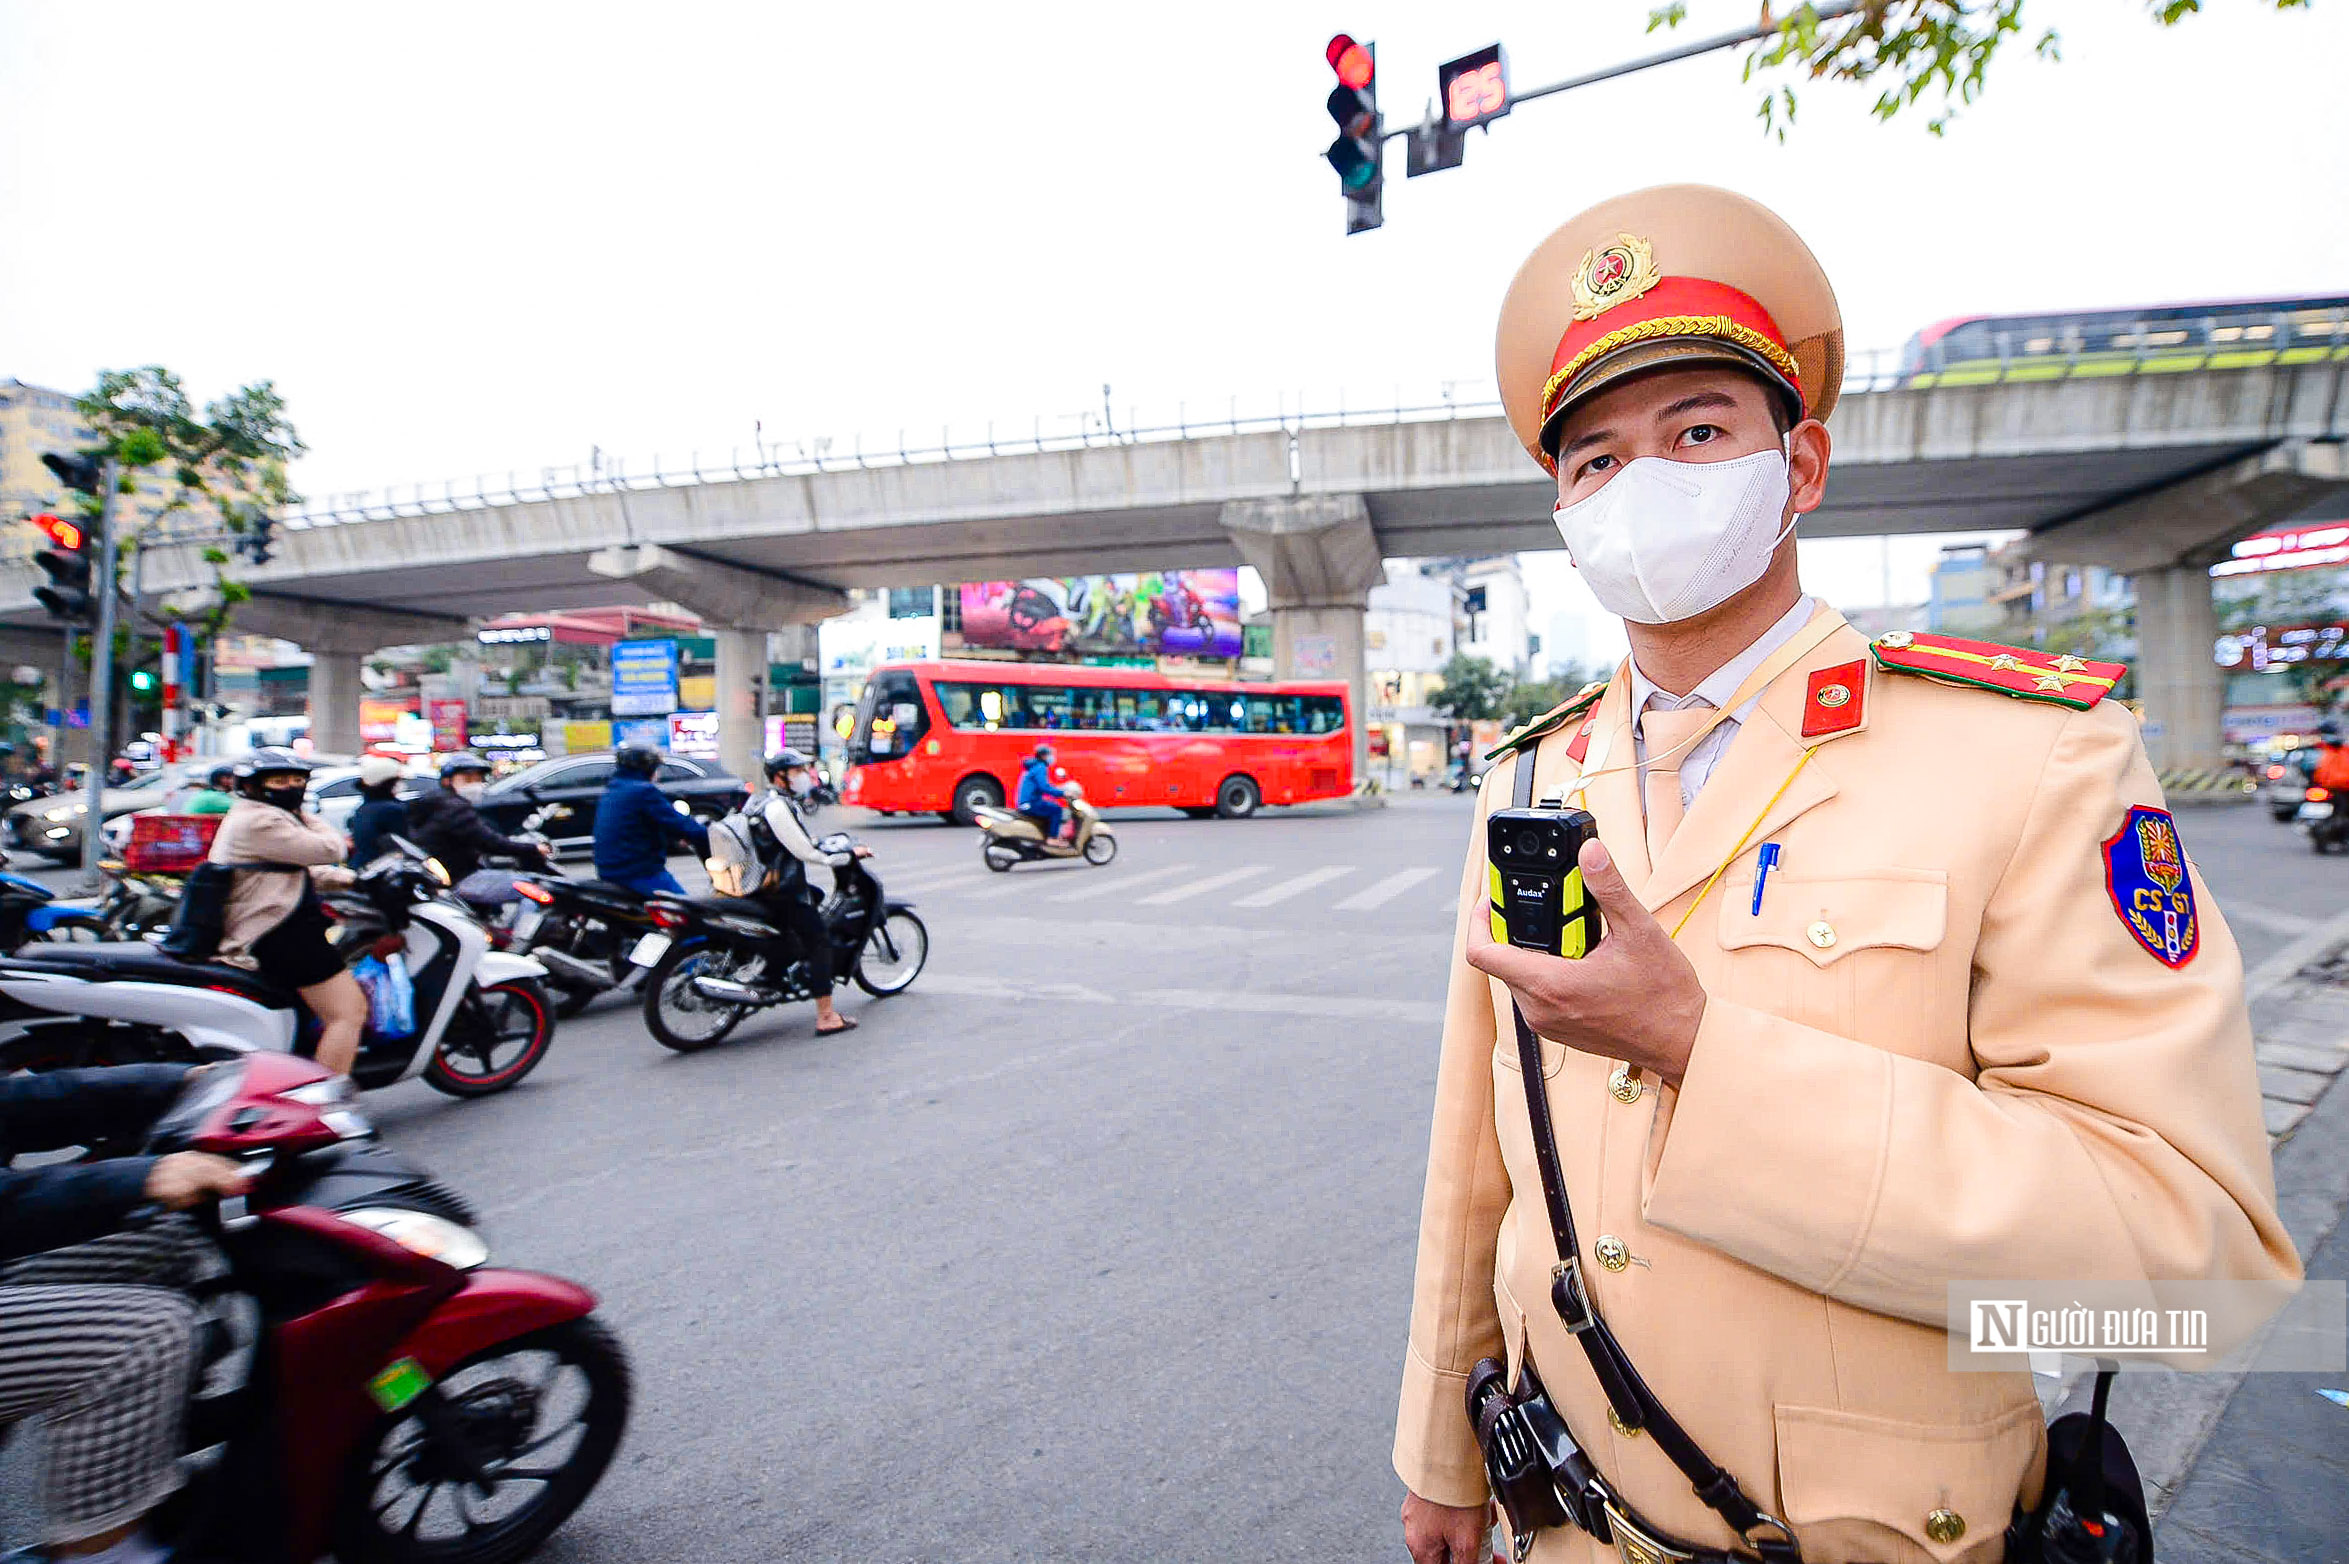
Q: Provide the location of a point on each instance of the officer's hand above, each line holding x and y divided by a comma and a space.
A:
1635, 998
179, 1180
863, 851
1442, 1533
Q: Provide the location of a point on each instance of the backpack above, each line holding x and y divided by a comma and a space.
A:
744, 856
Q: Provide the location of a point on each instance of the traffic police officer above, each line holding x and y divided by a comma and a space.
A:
1906, 978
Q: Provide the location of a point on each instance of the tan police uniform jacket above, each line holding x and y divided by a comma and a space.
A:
1938, 1053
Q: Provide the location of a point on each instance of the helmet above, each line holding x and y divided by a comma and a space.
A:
222, 776
376, 770
636, 760
787, 760
2329, 730
261, 764
462, 761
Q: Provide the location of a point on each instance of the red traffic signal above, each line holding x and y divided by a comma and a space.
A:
1351, 61
61, 532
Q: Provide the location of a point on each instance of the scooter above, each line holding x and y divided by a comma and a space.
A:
30, 911
708, 956
2321, 820
484, 1019
581, 931
1007, 837
368, 1383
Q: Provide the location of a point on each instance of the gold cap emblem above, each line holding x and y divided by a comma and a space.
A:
1614, 274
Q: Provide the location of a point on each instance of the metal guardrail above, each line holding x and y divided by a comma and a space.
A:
1873, 371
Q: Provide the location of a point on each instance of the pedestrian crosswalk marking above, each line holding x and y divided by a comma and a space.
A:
1214, 882
1114, 883
1273, 895
1374, 896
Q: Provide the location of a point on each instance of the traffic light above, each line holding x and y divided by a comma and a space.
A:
82, 474
66, 562
142, 680
256, 543
1359, 152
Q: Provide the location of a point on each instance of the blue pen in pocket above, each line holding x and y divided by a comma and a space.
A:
1765, 861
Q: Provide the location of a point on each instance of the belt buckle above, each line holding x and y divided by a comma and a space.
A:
1635, 1544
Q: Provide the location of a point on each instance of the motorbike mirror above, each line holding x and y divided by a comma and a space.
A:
1060, 773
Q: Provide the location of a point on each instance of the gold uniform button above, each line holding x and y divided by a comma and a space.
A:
1611, 1252
1945, 1526
1623, 1085
1821, 934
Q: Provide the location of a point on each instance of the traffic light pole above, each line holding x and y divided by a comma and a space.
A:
101, 682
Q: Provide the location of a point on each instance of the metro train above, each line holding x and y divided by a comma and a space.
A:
2228, 334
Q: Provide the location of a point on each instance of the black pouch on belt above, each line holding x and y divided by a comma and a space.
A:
2093, 1510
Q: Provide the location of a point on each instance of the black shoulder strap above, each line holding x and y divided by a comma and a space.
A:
1634, 1403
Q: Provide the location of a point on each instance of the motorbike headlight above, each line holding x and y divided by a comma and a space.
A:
437, 869
430, 1236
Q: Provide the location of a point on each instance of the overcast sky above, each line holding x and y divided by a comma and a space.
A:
469, 238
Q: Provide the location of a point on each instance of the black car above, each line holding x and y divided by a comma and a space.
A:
569, 787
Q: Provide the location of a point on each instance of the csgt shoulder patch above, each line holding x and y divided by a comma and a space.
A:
2145, 874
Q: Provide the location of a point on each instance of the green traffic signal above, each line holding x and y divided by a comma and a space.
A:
142, 680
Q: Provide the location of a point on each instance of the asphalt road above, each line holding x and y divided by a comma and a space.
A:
1095, 1244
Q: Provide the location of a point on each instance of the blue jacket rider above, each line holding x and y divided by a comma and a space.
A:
635, 823
1038, 797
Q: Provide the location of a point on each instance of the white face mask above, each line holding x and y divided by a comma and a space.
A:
1668, 540
471, 791
802, 784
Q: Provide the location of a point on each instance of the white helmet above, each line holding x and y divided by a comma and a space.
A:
376, 770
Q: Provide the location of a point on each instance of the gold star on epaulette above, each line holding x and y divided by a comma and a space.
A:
2050, 682
2005, 662
2067, 663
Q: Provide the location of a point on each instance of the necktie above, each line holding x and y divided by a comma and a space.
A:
1667, 734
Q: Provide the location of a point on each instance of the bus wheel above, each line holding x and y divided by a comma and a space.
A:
974, 793
1237, 797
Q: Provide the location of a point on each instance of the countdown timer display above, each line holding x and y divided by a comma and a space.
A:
1474, 88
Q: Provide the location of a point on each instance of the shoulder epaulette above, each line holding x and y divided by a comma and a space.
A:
2021, 671
1548, 722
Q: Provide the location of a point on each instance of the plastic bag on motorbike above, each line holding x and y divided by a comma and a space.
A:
391, 994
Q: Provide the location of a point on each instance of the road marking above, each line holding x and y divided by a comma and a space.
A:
1214, 882
2272, 919
1373, 897
1347, 1007
1274, 895
1125, 882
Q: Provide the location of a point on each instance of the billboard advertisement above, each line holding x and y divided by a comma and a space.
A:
644, 679
1176, 613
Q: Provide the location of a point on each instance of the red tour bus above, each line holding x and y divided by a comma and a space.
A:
948, 736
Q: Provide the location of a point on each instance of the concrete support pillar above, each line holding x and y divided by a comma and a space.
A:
2178, 678
1319, 559
334, 700
742, 667
739, 606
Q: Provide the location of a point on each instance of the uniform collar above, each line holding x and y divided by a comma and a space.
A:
1723, 681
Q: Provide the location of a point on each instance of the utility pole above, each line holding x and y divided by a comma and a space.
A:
101, 680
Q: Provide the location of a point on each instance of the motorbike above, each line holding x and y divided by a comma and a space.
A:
490, 892
483, 1018
1007, 837
367, 1383
2321, 820
713, 960
31, 912
581, 931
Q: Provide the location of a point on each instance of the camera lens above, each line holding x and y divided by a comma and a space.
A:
1529, 843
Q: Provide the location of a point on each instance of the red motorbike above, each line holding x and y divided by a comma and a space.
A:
370, 1385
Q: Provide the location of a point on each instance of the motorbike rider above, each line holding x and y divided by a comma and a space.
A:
2332, 760
444, 822
1039, 797
381, 812
216, 796
791, 775
96, 1328
274, 923
635, 823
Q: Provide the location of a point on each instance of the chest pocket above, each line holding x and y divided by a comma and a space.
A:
1851, 953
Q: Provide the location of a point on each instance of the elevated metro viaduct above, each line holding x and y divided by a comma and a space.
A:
2153, 474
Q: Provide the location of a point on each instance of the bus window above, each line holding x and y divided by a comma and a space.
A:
1047, 706
889, 718
1323, 713
985, 707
